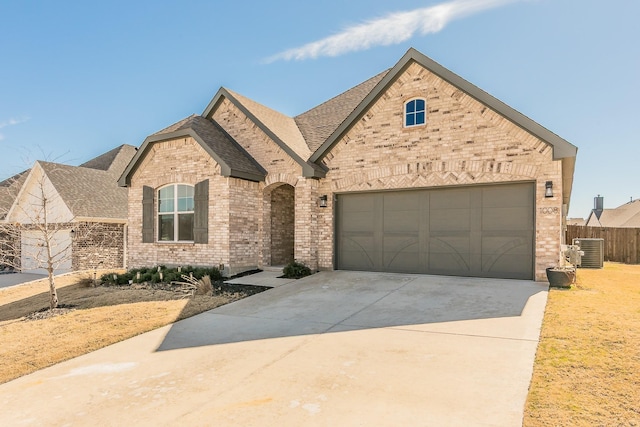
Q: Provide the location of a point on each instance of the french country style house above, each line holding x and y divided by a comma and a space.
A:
415, 170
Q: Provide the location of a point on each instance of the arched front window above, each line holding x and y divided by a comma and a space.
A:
175, 213
415, 112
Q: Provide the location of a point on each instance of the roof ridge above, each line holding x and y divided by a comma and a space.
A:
343, 92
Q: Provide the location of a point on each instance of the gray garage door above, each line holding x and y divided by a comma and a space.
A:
481, 231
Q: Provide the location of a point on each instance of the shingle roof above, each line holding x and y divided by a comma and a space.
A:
283, 126
233, 159
627, 215
90, 193
9, 189
576, 221
114, 161
320, 122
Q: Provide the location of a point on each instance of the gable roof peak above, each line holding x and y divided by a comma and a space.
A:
234, 161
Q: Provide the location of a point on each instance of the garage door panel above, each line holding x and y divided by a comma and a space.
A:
404, 261
506, 244
510, 218
508, 264
401, 221
507, 195
449, 253
361, 222
450, 199
358, 252
449, 219
445, 263
484, 231
402, 201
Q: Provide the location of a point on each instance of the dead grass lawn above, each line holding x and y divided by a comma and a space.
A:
587, 369
102, 316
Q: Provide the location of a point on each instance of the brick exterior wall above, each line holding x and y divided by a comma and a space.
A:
179, 161
245, 204
10, 253
257, 143
281, 169
282, 224
97, 245
463, 142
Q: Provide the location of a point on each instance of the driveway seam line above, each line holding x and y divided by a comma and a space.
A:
375, 302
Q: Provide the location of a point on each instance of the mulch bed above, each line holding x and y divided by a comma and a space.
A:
219, 288
47, 313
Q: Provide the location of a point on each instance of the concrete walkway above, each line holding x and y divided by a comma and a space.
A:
269, 278
334, 349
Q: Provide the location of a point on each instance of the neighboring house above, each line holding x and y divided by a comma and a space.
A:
624, 216
576, 221
86, 213
415, 170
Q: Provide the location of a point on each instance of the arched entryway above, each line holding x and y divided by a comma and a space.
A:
282, 224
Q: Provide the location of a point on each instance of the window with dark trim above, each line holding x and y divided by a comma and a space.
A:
175, 213
415, 112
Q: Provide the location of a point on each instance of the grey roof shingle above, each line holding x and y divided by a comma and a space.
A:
90, 193
624, 216
9, 189
219, 141
280, 124
89, 190
320, 122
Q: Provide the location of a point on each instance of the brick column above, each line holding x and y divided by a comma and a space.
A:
306, 223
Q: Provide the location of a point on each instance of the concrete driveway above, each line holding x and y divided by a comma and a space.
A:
334, 349
13, 279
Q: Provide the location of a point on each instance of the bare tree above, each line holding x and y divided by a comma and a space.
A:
36, 228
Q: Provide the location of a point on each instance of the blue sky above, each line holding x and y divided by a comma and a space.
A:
78, 78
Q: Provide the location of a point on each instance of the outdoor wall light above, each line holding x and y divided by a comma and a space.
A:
72, 233
323, 201
548, 189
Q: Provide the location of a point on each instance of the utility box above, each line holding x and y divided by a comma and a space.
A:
593, 252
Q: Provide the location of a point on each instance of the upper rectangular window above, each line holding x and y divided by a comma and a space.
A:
175, 213
415, 112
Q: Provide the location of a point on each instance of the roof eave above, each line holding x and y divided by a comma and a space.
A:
225, 169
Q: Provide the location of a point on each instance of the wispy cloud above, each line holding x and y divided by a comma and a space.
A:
391, 29
11, 122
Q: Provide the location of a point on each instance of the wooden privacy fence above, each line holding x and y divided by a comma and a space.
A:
620, 244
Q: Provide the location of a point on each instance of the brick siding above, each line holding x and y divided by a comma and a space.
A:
463, 142
97, 245
282, 224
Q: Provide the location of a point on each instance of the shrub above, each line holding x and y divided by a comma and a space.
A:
153, 275
296, 270
204, 286
108, 278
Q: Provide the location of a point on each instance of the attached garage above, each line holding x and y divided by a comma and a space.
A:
478, 230
34, 255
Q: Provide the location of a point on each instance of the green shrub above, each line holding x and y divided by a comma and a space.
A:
296, 270
108, 278
153, 275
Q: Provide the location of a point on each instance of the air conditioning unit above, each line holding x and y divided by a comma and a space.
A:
593, 252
